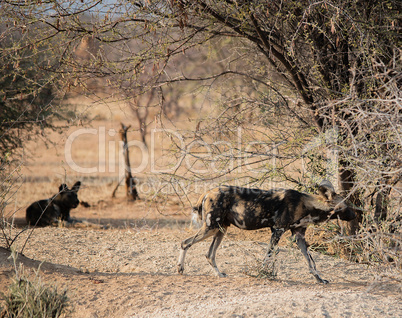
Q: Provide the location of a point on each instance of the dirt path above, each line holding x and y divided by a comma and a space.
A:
132, 273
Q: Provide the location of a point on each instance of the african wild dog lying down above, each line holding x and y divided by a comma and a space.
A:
50, 211
252, 209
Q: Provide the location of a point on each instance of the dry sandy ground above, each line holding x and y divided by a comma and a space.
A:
131, 272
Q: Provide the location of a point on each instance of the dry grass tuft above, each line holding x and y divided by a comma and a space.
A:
28, 298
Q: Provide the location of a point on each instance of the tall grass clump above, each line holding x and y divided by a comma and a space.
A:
261, 270
30, 297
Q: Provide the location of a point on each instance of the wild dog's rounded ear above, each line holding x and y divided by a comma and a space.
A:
76, 186
326, 190
62, 187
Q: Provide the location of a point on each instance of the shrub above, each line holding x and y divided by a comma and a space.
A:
31, 298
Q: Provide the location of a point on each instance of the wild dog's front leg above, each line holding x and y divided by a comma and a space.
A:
275, 237
301, 243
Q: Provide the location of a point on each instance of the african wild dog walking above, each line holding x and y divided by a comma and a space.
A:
252, 209
50, 211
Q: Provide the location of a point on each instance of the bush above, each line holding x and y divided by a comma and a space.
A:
376, 243
31, 298
268, 270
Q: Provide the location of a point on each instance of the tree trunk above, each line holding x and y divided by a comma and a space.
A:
381, 204
383, 191
131, 190
347, 182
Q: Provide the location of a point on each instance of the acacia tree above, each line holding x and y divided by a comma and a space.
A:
342, 59
26, 95
285, 72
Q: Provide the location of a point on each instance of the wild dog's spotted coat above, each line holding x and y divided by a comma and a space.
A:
50, 211
252, 209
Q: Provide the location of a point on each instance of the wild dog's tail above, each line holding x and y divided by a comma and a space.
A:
197, 210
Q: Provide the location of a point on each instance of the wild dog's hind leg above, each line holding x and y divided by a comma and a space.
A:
275, 237
301, 243
203, 233
212, 251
